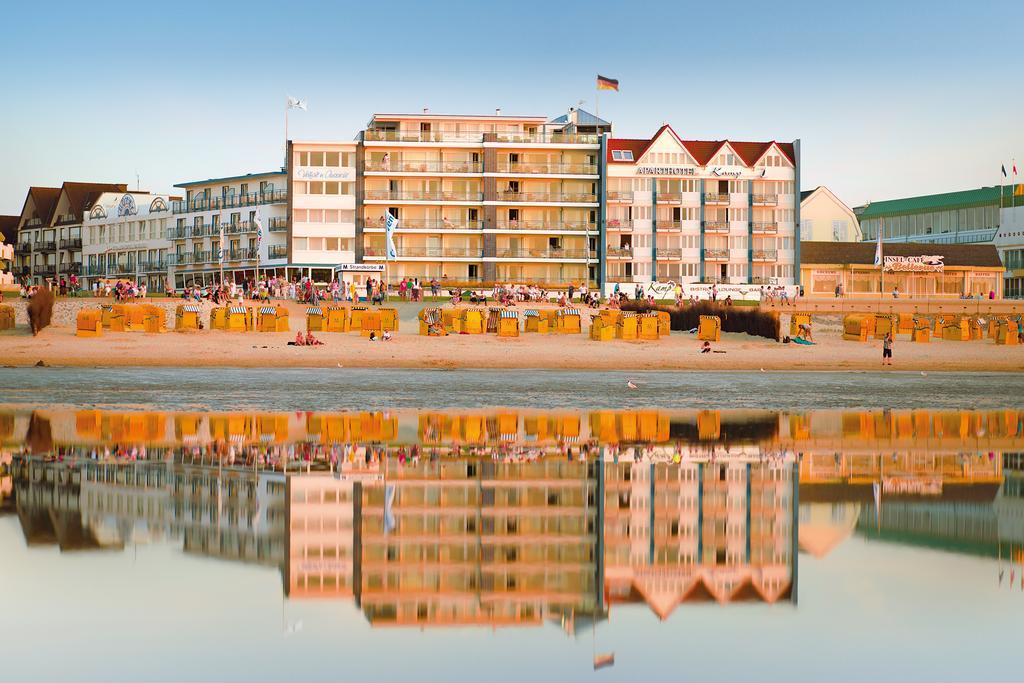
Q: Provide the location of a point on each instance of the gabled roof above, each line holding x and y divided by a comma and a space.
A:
81, 196
863, 253
702, 151
9, 228
930, 202
583, 118
45, 201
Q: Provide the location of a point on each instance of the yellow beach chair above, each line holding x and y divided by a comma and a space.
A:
472, 321
154, 319
796, 320
627, 325
315, 321
709, 328
7, 317
186, 317
431, 323
508, 324
89, 323
956, 330
1007, 332
601, 329
236, 319
568, 321
664, 323
858, 327
336, 319
388, 319
272, 319
922, 331
355, 322
370, 322
533, 321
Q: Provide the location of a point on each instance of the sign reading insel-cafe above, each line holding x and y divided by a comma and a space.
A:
915, 264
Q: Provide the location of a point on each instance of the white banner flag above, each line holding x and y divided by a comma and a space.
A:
389, 235
294, 103
257, 220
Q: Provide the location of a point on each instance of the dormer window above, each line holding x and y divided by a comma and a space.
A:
622, 155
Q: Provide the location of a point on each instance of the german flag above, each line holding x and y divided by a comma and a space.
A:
607, 83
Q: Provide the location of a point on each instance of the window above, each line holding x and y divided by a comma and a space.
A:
622, 155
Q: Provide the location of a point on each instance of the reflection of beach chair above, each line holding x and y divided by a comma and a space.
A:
7, 317
388, 319
431, 323
601, 329
508, 324
535, 322
647, 325
709, 328
89, 324
709, 425
956, 330
1007, 332
186, 317
568, 321
922, 330
858, 327
795, 321
626, 326
314, 319
272, 319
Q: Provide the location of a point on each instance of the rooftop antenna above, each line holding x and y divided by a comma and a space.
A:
136, 181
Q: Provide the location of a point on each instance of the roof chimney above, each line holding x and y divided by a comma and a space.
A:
497, 112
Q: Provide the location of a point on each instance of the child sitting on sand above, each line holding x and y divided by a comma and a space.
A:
311, 340
706, 348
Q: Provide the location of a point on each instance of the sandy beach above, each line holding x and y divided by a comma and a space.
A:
58, 346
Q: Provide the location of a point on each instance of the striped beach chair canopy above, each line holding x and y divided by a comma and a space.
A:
432, 316
236, 309
531, 313
264, 310
569, 311
629, 314
509, 314
314, 310
189, 308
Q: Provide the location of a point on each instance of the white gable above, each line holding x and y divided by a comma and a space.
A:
667, 151
773, 157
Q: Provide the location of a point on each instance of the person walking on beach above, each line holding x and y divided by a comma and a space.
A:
887, 349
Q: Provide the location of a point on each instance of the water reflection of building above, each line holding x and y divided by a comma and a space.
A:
320, 536
675, 533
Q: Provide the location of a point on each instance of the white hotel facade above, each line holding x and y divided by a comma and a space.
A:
691, 211
124, 236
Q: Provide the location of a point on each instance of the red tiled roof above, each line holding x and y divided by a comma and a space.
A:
702, 151
9, 228
45, 199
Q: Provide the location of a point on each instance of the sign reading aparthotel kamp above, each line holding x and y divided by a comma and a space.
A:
915, 264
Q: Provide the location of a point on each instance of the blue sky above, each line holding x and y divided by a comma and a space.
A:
889, 99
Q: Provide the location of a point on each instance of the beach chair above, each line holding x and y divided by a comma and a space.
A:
626, 326
355, 322
472, 322
647, 327
508, 324
370, 322
106, 314
941, 321
664, 323
858, 327
905, 324
154, 320
493, 316
956, 329
451, 320
314, 319
272, 319
601, 329
388, 319
922, 330
237, 319
89, 323
709, 425
6, 317
975, 329
431, 323
114, 319
533, 321
134, 318
568, 321
1007, 332
335, 319
219, 318
709, 328
884, 324
186, 317
795, 321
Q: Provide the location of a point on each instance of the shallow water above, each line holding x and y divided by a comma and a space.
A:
353, 389
511, 543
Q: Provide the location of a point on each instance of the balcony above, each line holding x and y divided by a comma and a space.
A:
670, 198
527, 168
620, 252
669, 226
669, 253
380, 135
428, 252
277, 251
177, 233
74, 243
547, 138
545, 253
94, 269
46, 246
765, 255
619, 224
68, 219
278, 224
422, 196
617, 196
547, 197
761, 280
241, 254
152, 266
769, 228
236, 228
765, 199
716, 227
423, 166
716, 197
716, 254
230, 202
22, 248
44, 270
430, 224
566, 226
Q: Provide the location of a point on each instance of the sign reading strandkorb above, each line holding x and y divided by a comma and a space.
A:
915, 264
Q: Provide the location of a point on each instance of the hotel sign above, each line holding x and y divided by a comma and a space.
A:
323, 173
666, 170
914, 264
359, 268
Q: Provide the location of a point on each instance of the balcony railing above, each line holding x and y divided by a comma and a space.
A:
229, 202
373, 135
67, 219
46, 246
423, 196
73, 243
241, 254
523, 252
670, 198
94, 269
424, 224
423, 166
765, 255
618, 196
716, 227
547, 137
71, 268
23, 248
765, 199
277, 251
716, 197
509, 196
669, 225
428, 252
669, 253
177, 233
716, 254
44, 271
237, 228
567, 226
620, 252
278, 224
764, 228
760, 280
528, 168
619, 224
